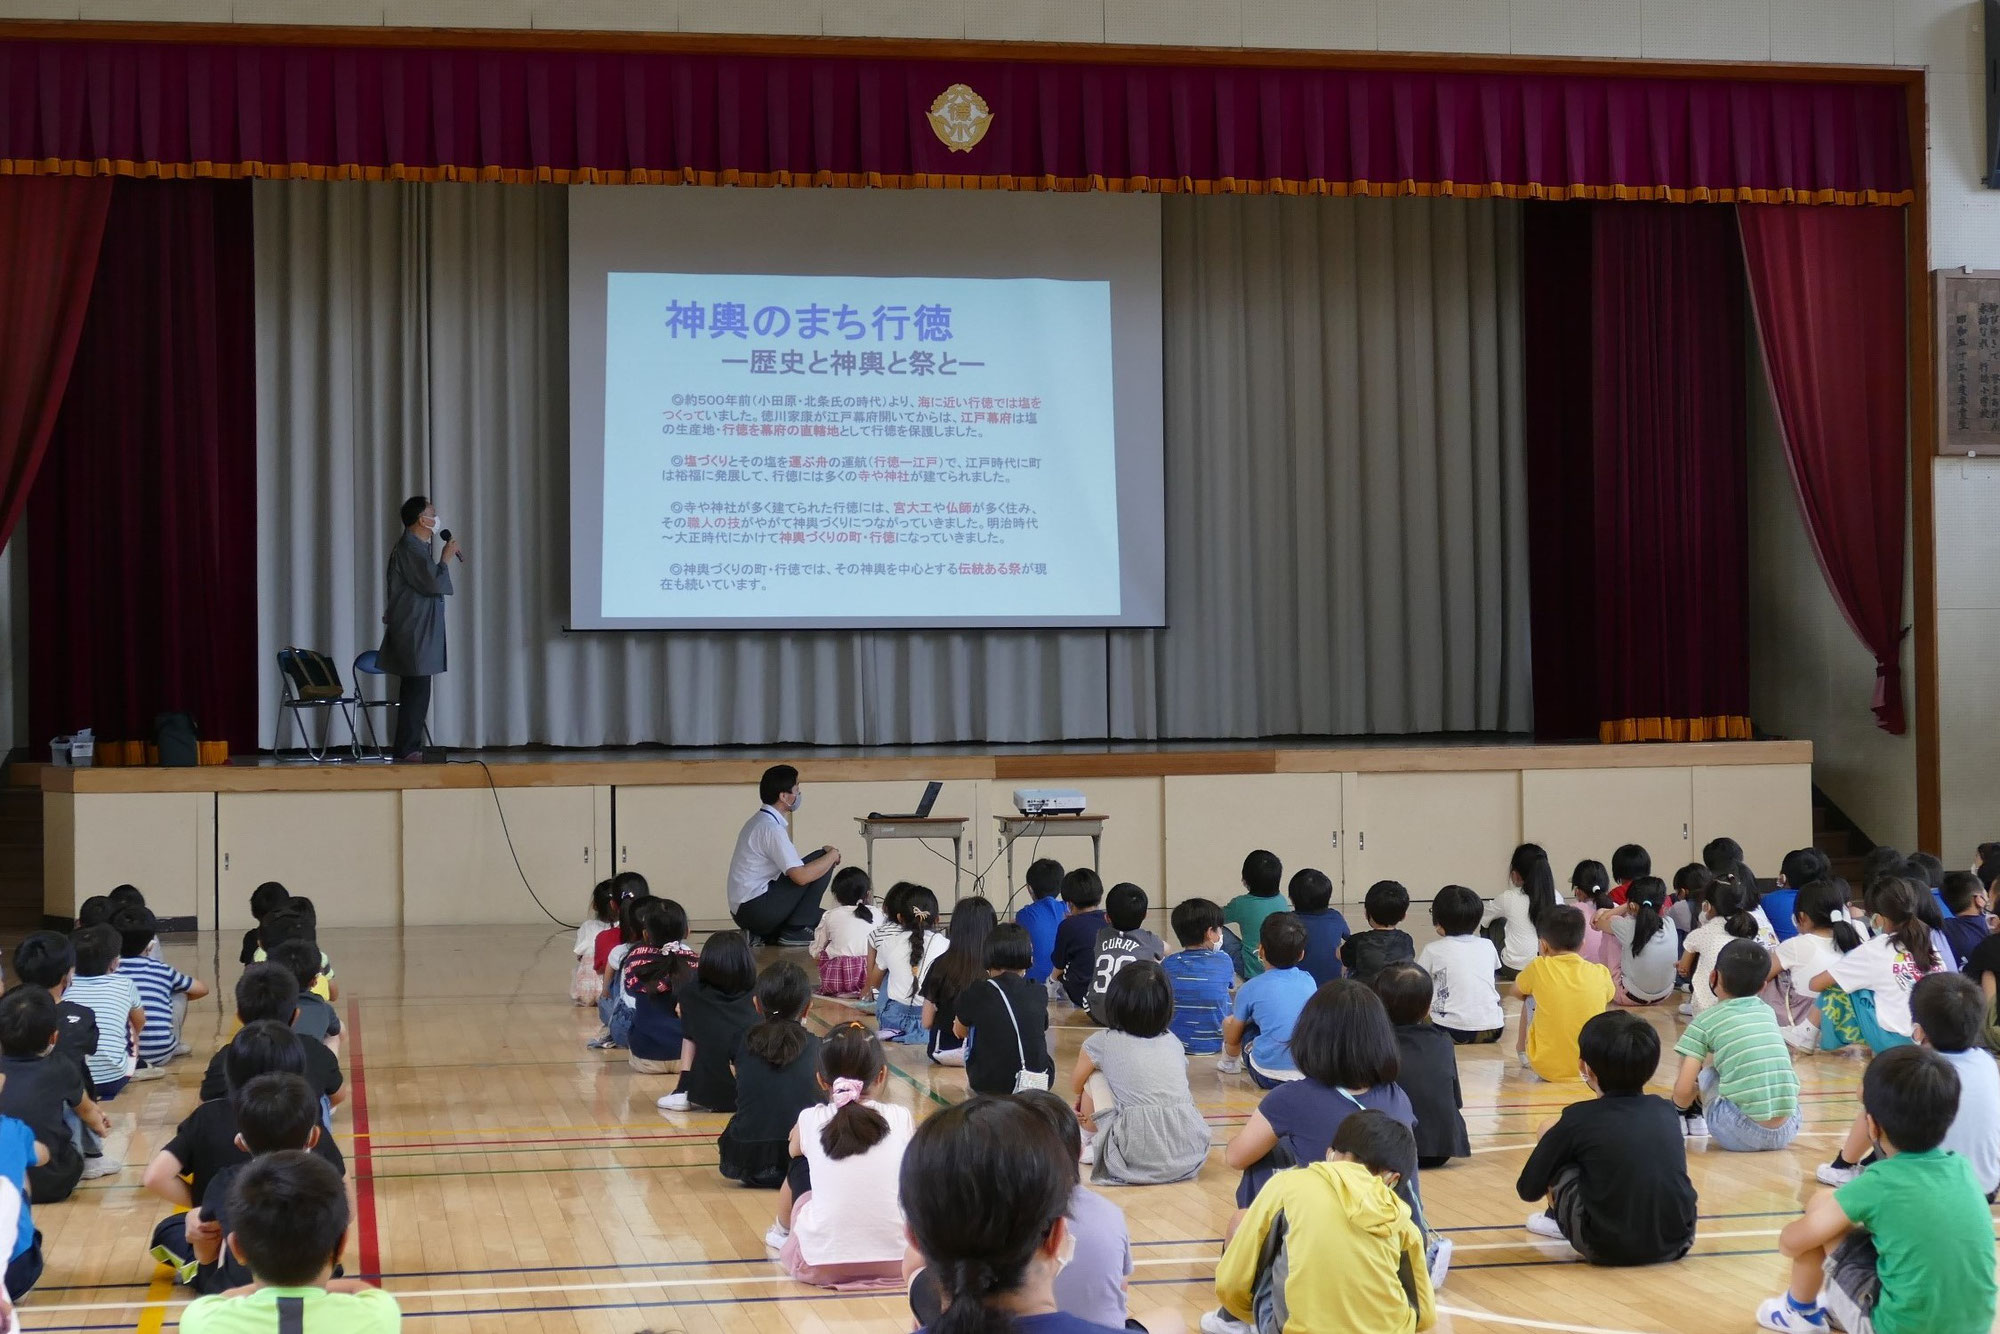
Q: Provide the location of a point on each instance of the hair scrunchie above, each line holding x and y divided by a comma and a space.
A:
844, 1091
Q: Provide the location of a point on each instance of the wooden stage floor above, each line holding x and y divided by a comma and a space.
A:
506, 1178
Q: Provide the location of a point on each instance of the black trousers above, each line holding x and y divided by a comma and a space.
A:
413, 707
783, 907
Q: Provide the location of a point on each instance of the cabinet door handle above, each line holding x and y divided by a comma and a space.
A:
1361, 841
1336, 838
225, 861
586, 854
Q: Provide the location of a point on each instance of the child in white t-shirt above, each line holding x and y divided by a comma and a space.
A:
1725, 917
1465, 1003
1877, 978
901, 954
1824, 934
840, 941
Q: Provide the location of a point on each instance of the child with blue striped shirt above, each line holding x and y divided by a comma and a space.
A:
164, 991
1201, 974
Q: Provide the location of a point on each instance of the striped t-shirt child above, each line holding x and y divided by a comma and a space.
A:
112, 998
157, 984
1753, 1067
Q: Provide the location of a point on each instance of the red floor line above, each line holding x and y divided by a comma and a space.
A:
364, 1170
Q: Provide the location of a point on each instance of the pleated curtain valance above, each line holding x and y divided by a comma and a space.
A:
189, 109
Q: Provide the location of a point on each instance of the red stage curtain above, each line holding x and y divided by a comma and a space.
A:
1672, 514
49, 232
142, 559
1638, 497
1827, 287
210, 110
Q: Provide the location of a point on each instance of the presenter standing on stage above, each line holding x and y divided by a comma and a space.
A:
413, 634
774, 894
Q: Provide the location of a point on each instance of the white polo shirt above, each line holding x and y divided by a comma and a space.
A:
764, 852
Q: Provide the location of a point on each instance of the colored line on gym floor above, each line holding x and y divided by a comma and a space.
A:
364, 1171
158, 1293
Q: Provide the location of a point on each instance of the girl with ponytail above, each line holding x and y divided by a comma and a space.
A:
1590, 894
1513, 917
1648, 945
902, 953
1824, 934
1878, 975
839, 1224
1725, 917
986, 1184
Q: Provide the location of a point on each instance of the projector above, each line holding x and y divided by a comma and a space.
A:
1048, 801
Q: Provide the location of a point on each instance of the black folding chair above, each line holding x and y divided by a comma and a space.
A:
369, 663
309, 682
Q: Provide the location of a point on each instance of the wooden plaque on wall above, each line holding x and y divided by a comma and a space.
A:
1968, 361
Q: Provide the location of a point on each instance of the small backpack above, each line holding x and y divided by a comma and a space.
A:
177, 740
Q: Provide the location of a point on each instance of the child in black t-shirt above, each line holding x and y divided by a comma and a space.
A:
1429, 1070
266, 899
1614, 1168
1365, 953
271, 991
1005, 1017
42, 1088
716, 1011
777, 1077
274, 1112
46, 959
1075, 950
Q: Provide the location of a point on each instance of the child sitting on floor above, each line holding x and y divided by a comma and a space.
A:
1465, 1003
316, 1018
274, 1113
1907, 1246
840, 941
1950, 1012
266, 899
115, 1002
1043, 915
1561, 992
901, 957
1967, 926
288, 1219
1875, 980
1428, 1072
715, 1012
777, 1077
164, 991
1613, 1168
270, 991
298, 919
1331, 1247
1644, 942
1004, 1020
1822, 932
1263, 882
1311, 893
1140, 1122
1126, 942
962, 964
652, 972
614, 1007
839, 1220
1726, 916
586, 981
19, 1152
1202, 974
1590, 894
1366, 953
1075, 950
1736, 1082
43, 1089
1268, 1005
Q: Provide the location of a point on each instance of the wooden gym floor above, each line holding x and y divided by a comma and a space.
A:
505, 1178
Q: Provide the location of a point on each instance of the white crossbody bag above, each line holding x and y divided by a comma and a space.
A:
1025, 1080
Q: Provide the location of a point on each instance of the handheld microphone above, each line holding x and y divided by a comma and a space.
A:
458, 556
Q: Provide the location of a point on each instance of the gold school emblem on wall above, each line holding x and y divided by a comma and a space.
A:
960, 118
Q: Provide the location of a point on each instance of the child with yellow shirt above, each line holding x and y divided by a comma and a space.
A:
1561, 991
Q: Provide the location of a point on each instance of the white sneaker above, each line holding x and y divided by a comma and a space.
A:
1221, 1322
1835, 1174
1778, 1313
1694, 1127
672, 1102
1522, 1057
1687, 1009
1802, 1037
183, 1049
1229, 1065
1089, 1155
776, 1237
104, 1165
146, 1072
1542, 1225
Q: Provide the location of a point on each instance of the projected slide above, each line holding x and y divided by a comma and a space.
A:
829, 448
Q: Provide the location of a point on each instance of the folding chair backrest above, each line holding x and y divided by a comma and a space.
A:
311, 673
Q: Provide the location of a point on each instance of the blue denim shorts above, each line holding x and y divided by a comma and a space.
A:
908, 1018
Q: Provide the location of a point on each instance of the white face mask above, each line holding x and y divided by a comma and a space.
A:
798, 800
1066, 1252
430, 523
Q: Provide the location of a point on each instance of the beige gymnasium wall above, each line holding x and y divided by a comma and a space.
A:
1942, 35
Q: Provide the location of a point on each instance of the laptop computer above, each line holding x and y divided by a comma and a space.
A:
923, 812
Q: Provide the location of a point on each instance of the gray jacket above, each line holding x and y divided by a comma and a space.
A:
413, 628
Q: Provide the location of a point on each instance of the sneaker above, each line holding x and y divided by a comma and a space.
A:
1522, 1057
1439, 1262
888, 1034
1687, 1009
1829, 1174
1544, 1226
1802, 1037
1229, 1065
1221, 1322
673, 1102
1088, 1157
1694, 1127
102, 1166
1781, 1313
866, 1004
777, 1235
146, 1072
793, 940
183, 1049
601, 1043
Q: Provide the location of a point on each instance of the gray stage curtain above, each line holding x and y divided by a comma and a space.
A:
413, 338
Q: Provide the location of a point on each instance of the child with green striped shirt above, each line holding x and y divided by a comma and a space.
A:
1736, 1083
